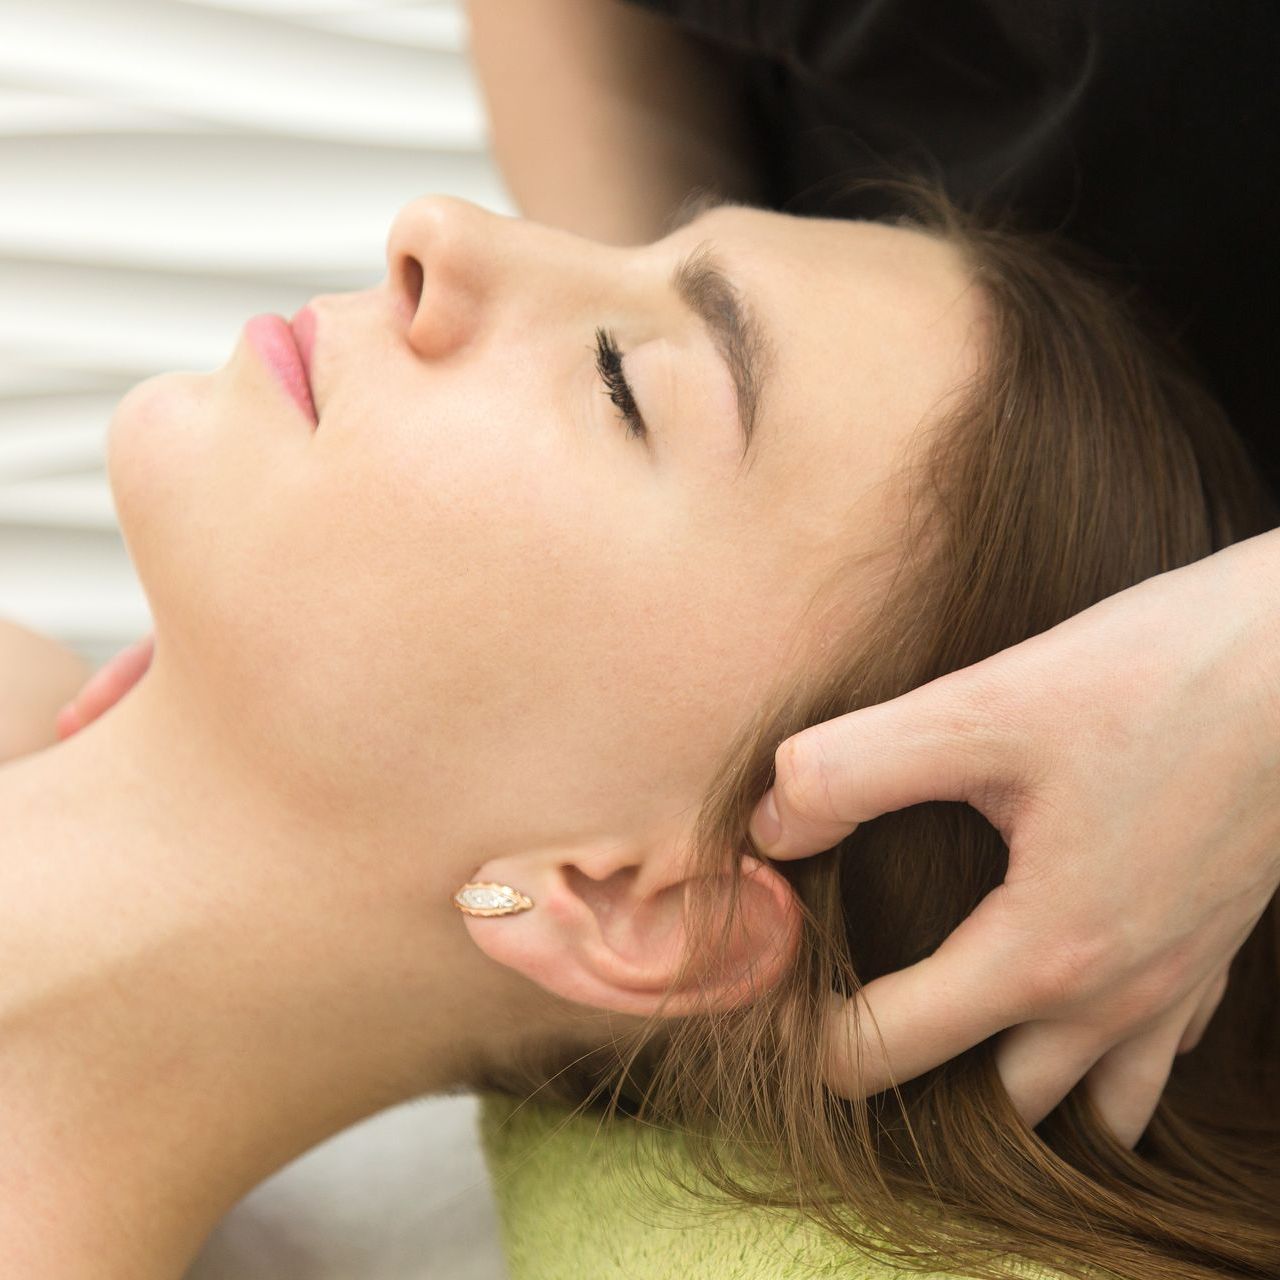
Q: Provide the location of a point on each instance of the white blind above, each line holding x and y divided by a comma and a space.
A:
169, 168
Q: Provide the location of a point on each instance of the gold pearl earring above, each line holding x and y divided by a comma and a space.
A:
484, 898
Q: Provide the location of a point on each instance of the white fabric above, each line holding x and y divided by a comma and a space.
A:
403, 1196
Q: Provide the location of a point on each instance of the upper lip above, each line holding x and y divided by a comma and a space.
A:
304, 328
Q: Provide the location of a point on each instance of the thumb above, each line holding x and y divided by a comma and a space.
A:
941, 741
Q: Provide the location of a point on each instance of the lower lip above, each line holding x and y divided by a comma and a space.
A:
272, 338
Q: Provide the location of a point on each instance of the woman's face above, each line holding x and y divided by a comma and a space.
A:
472, 583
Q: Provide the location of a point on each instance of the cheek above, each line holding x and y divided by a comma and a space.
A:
395, 598
410, 586
492, 602
496, 604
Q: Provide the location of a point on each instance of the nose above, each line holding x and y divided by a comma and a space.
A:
445, 257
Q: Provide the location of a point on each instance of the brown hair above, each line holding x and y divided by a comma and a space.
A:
1082, 459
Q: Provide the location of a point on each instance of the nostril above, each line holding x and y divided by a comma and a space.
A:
411, 283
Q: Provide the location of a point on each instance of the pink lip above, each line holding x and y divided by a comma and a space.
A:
282, 352
304, 332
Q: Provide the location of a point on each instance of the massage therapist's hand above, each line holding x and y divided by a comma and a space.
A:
106, 687
1130, 758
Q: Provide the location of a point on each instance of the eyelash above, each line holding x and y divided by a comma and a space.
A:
609, 366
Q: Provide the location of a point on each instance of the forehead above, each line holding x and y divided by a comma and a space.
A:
869, 329
893, 305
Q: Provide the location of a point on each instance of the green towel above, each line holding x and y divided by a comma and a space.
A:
574, 1206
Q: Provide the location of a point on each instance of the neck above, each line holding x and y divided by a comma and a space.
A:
199, 983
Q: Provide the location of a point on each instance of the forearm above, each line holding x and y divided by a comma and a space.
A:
604, 117
37, 675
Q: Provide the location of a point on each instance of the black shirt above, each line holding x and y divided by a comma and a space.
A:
1147, 130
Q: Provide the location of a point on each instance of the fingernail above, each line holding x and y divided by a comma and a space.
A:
765, 827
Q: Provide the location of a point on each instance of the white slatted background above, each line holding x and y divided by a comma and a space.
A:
167, 169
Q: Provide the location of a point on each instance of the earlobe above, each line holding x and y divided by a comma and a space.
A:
605, 935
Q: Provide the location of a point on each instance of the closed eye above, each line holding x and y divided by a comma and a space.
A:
618, 389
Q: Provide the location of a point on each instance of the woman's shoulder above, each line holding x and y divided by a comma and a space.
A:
578, 1197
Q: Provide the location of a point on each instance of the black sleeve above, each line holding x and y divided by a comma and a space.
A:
1147, 130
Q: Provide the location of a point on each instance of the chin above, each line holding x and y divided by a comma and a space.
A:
153, 463
144, 430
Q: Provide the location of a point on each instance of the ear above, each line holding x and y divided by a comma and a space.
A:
606, 933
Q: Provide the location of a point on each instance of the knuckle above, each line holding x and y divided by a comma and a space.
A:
987, 742
1175, 970
802, 777
1123, 993
1136, 1003
1074, 969
1159, 983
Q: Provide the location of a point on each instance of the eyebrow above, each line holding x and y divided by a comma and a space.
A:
702, 283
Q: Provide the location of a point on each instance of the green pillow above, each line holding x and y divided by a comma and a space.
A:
576, 1204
